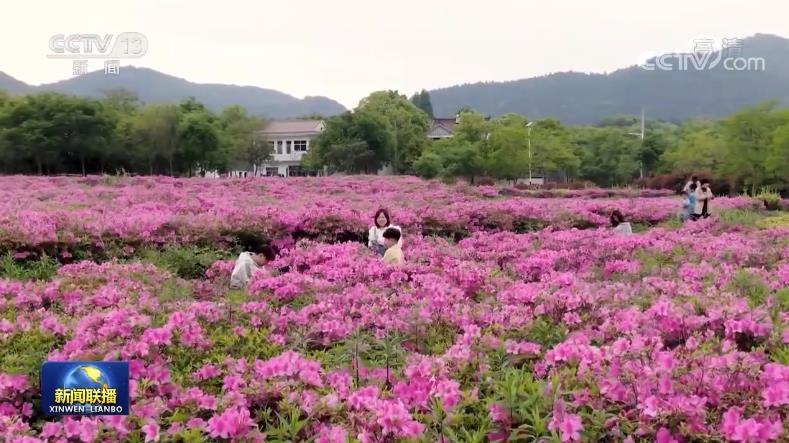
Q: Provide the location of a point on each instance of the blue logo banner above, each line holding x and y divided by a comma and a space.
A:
85, 388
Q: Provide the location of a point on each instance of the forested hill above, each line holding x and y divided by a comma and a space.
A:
155, 87
578, 98
572, 97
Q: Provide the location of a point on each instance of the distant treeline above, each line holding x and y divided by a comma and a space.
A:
52, 133
745, 150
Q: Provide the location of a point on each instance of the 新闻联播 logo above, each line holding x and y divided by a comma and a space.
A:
85, 388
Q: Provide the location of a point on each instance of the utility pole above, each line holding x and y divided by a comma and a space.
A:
394, 160
641, 148
640, 160
528, 137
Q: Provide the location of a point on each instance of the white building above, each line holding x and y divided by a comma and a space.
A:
289, 140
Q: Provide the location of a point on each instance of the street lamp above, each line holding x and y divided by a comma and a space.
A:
640, 154
394, 160
528, 127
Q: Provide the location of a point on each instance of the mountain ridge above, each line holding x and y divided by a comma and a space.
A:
587, 98
153, 86
573, 97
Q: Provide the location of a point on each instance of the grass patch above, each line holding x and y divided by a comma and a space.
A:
777, 221
185, 261
652, 260
43, 268
542, 330
749, 286
780, 354
743, 217
173, 290
770, 197
23, 352
250, 344
440, 335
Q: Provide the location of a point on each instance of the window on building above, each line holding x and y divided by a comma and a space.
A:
272, 172
296, 171
300, 145
279, 146
287, 147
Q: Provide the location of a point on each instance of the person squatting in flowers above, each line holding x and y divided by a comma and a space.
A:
249, 263
393, 254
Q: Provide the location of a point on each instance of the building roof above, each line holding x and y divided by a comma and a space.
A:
442, 125
292, 126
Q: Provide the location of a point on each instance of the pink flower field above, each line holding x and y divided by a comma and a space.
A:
515, 318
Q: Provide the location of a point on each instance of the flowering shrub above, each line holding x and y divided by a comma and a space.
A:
502, 333
82, 218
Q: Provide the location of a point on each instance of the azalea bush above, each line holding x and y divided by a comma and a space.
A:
90, 218
498, 328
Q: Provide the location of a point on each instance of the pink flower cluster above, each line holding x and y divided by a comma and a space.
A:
671, 335
71, 213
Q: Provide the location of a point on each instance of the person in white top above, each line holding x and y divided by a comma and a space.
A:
375, 238
619, 224
247, 264
703, 197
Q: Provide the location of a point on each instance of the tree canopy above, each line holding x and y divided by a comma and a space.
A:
57, 133
52, 133
422, 101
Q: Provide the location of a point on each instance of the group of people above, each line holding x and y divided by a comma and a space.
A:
384, 239
696, 200
695, 205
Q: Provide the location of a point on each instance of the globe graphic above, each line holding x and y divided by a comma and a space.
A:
86, 377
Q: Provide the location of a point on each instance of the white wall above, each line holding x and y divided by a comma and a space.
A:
294, 155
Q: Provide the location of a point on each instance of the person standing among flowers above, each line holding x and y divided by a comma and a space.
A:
375, 238
694, 180
689, 204
702, 194
705, 195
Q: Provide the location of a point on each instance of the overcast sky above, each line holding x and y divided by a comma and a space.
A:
345, 49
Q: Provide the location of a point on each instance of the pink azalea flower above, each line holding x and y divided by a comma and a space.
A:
664, 436
230, 423
335, 434
196, 423
50, 429
394, 419
776, 395
151, 431
498, 414
569, 427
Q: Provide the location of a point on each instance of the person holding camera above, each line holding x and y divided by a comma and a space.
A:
703, 197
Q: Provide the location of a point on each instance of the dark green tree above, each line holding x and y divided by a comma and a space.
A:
607, 155
154, 131
749, 136
241, 131
363, 135
422, 101
201, 142
51, 129
407, 123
